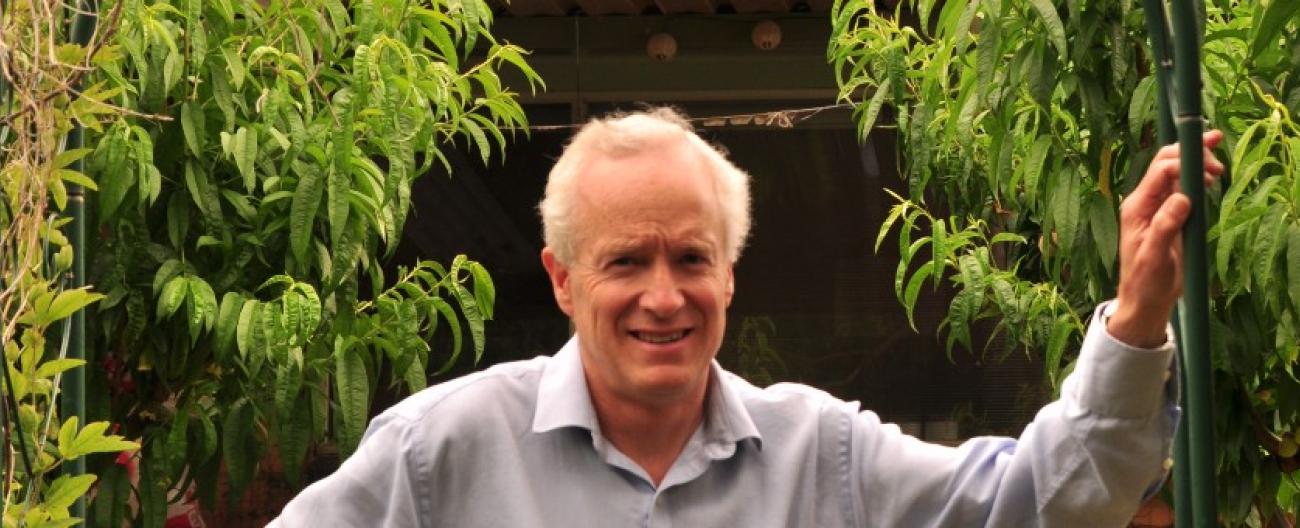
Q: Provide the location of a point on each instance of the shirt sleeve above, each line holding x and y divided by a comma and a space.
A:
1088, 459
373, 487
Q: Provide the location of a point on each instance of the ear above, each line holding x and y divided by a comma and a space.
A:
559, 275
731, 282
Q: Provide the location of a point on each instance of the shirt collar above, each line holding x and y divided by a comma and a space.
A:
563, 401
562, 397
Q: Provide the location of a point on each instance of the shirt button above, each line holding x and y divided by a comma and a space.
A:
1167, 464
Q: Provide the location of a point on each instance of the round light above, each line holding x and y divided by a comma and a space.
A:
661, 47
766, 35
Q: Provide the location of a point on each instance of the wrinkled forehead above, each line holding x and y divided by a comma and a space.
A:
668, 189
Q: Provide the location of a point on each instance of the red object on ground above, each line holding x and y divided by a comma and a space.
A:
1154, 514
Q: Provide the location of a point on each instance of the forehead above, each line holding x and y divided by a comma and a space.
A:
666, 191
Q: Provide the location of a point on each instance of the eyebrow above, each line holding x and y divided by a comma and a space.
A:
633, 243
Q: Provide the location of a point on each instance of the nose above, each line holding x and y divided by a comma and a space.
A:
662, 296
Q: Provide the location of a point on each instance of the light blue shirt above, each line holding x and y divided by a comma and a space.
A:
518, 445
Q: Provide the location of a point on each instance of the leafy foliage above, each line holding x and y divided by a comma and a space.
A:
238, 227
41, 64
1034, 117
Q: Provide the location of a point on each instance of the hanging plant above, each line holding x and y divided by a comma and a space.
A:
41, 63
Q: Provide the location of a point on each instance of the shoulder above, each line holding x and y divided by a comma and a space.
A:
783, 405
505, 393
785, 395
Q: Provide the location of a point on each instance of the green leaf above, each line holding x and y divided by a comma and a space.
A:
66, 489
1105, 231
173, 296
1055, 29
914, 289
1007, 237
302, 216
288, 382
895, 213
236, 435
205, 306
193, 127
960, 317
228, 317
353, 386
116, 178
205, 197
473, 131
59, 193
206, 436
152, 488
484, 290
78, 178
235, 66
248, 319
441, 307
1293, 265
67, 302
54, 366
111, 501
70, 156
939, 246
1065, 207
68, 432
872, 110
1061, 331
1268, 244
1141, 107
177, 437
244, 149
310, 305
1277, 14
294, 437
1224, 252
340, 183
1034, 165
91, 439
468, 306
416, 375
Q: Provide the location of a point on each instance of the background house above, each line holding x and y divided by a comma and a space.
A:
809, 281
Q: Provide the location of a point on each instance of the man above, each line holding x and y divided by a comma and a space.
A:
632, 423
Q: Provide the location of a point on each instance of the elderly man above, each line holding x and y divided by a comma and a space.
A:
632, 423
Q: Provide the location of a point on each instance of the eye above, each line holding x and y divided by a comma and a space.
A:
694, 259
621, 262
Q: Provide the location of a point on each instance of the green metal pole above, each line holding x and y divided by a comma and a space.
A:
74, 381
1158, 30
1194, 309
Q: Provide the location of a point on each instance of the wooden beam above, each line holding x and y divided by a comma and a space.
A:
763, 6
525, 8
673, 7
614, 7
604, 59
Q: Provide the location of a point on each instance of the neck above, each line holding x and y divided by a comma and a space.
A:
651, 434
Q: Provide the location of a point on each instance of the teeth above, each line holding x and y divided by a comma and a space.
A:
660, 338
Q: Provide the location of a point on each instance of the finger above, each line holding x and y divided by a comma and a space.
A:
1160, 180
1212, 163
1211, 138
1169, 151
1167, 224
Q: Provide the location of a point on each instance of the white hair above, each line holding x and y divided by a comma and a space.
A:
624, 135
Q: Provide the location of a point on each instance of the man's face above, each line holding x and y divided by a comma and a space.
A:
650, 281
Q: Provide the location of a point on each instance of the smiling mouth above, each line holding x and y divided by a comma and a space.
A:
660, 338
